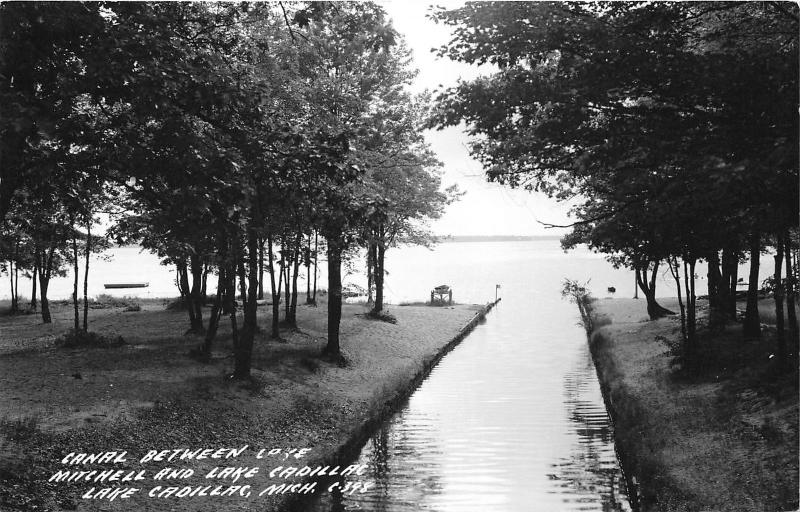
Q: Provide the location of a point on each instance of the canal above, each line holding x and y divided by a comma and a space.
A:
511, 420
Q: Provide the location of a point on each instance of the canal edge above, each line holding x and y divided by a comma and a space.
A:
349, 448
594, 338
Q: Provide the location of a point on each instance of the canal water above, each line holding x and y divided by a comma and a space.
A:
513, 418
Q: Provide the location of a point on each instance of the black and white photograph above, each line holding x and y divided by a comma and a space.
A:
399, 256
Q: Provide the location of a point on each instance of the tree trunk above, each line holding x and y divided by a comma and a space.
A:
244, 351
45, 269
287, 275
43, 284
183, 287
380, 258
13, 271
332, 349
14, 300
242, 283
728, 282
691, 324
370, 273
752, 321
216, 313
648, 287
316, 254
275, 291
260, 269
75, 271
196, 294
714, 278
86, 276
16, 287
778, 295
33, 305
230, 299
691, 339
291, 319
307, 263
204, 286
791, 287
675, 271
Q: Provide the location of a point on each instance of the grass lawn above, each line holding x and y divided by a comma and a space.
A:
721, 435
148, 394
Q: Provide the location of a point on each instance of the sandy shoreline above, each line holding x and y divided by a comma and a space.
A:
148, 395
723, 439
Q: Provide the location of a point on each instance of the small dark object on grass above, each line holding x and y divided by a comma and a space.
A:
133, 307
383, 316
73, 338
77, 375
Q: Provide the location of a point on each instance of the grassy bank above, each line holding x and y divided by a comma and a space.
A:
149, 395
721, 437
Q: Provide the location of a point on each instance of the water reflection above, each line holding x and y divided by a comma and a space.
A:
591, 469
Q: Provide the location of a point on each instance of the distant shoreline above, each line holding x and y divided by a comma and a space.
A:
451, 239
494, 238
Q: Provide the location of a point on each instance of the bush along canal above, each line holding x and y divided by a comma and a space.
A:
512, 420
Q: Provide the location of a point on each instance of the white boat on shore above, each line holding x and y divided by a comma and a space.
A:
125, 285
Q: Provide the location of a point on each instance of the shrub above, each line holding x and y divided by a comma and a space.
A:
81, 338
579, 294
105, 300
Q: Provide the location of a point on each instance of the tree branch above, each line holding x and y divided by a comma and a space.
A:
288, 24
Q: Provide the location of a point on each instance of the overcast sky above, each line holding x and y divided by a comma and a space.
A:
486, 208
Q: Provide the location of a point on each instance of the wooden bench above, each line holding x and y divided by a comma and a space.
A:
442, 294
